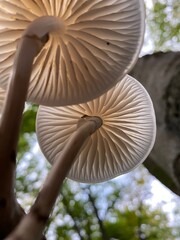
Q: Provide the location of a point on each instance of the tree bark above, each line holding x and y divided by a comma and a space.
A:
160, 75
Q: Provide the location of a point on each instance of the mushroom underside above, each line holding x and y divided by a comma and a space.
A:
123, 142
98, 45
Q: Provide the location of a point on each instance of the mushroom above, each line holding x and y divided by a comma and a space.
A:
124, 140
98, 43
84, 45
31, 43
34, 222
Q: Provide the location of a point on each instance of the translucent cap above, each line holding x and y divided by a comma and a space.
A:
99, 43
123, 142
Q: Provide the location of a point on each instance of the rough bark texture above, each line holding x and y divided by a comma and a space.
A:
160, 75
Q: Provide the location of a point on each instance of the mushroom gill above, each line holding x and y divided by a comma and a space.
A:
100, 43
124, 140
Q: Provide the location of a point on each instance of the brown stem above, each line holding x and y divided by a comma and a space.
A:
9, 129
32, 225
30, 44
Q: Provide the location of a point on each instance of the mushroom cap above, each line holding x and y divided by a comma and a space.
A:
123, 141
99, 43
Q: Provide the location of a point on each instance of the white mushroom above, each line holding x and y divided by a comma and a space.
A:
99, 43
124, 140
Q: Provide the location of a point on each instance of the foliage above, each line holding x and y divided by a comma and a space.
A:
163, 20
27, 130
105, 212
139, 224
118, 209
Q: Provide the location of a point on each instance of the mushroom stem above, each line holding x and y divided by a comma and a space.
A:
30, 44
32, 225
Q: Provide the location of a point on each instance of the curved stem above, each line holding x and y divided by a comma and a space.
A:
30, 44
32, 225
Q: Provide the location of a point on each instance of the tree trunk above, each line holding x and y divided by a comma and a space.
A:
160, 75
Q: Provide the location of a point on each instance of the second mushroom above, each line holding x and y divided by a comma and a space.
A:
124, 140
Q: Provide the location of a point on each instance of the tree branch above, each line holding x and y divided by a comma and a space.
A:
100, 222
160, 74
65, 203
